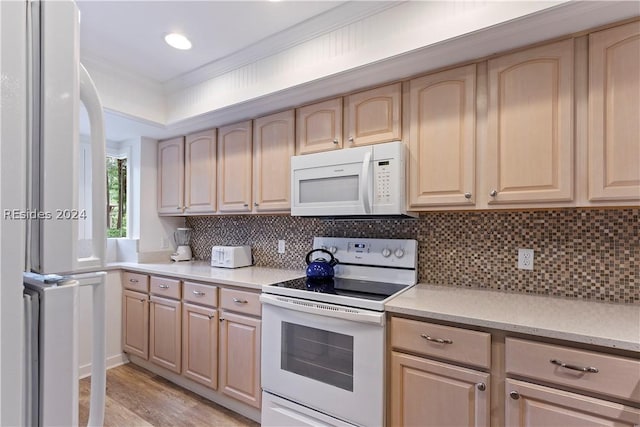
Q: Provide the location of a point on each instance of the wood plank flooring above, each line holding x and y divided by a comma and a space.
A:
137, 397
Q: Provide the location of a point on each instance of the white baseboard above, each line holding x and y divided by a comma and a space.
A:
112, 361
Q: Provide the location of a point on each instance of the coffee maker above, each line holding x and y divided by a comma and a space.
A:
182, 237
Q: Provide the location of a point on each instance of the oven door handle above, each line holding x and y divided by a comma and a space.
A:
324, 309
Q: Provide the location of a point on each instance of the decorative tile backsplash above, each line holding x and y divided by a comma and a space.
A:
579, 253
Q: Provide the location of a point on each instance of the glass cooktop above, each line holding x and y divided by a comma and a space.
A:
363, 289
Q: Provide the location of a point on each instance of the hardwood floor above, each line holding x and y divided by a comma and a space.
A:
137, 397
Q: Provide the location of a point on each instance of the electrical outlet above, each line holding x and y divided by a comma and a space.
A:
525, 259
281, 246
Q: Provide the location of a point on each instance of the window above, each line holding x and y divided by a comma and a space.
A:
116, 196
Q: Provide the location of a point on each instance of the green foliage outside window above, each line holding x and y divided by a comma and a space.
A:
116, 197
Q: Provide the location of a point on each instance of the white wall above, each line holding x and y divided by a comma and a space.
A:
154, 230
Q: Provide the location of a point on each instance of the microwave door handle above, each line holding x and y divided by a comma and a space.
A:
364, 182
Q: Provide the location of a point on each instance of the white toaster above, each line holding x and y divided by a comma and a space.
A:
230, 256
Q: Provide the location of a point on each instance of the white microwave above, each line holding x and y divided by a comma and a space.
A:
353, 182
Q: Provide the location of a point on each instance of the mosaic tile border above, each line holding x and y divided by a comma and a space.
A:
591, 254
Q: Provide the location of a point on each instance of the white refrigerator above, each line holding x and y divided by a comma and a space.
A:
52, 234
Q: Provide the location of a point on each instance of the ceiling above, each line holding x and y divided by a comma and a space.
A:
129, 35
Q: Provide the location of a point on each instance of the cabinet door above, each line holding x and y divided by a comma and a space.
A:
442, 138
614, 113
240, 357
273, 146
165, 333
200, 173
530, 405
427, 393
234, 167
200, 344
171, 176
530, 126
373, 116
319, 127
135, 323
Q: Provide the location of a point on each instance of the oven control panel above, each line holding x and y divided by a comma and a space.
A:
401, 253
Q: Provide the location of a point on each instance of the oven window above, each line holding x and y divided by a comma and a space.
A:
317, 354
334, 189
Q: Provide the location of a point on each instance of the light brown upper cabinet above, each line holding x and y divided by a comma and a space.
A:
187, 174
171, 176
200, 172
442, 138
234, 167
319, 127
529, 155
614, 114
370, 117
373, 116
273, 146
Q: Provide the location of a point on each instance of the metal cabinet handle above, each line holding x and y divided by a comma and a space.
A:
179, 208
199, 294
240, 301
514, 395
467, 196
211, 316
493, 193
481, 386
255, 204
246, 205
438, 340
350, 140
574, 367
336, 142
163, 286
133, 280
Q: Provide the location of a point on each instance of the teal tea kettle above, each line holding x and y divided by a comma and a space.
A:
320, 268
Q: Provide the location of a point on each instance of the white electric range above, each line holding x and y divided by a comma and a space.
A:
323, 341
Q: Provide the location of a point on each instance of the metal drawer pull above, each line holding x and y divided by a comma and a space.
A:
481, 386
514, 395
240, 301
438, 340
574, 367
198, 293
133, 280
163, 286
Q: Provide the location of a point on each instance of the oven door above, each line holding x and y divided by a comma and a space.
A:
326, 357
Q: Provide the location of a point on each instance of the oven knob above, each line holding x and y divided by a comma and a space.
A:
333, 249
386, 252
399, 253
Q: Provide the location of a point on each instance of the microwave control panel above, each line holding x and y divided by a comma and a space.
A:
382, 171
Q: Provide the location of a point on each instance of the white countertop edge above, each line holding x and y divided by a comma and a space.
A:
408, 305
250, 277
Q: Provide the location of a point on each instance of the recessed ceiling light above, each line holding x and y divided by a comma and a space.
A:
178, 41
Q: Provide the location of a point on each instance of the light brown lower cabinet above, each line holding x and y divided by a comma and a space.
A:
135, 323
200, 344
427, 393
240, 357
531, 405
165, 333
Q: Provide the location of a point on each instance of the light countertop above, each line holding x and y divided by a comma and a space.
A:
246, 277
597, 323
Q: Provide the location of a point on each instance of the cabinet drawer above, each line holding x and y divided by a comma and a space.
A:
616, 376
169, 288
240, 301
135, 281
200, 294
446, 342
